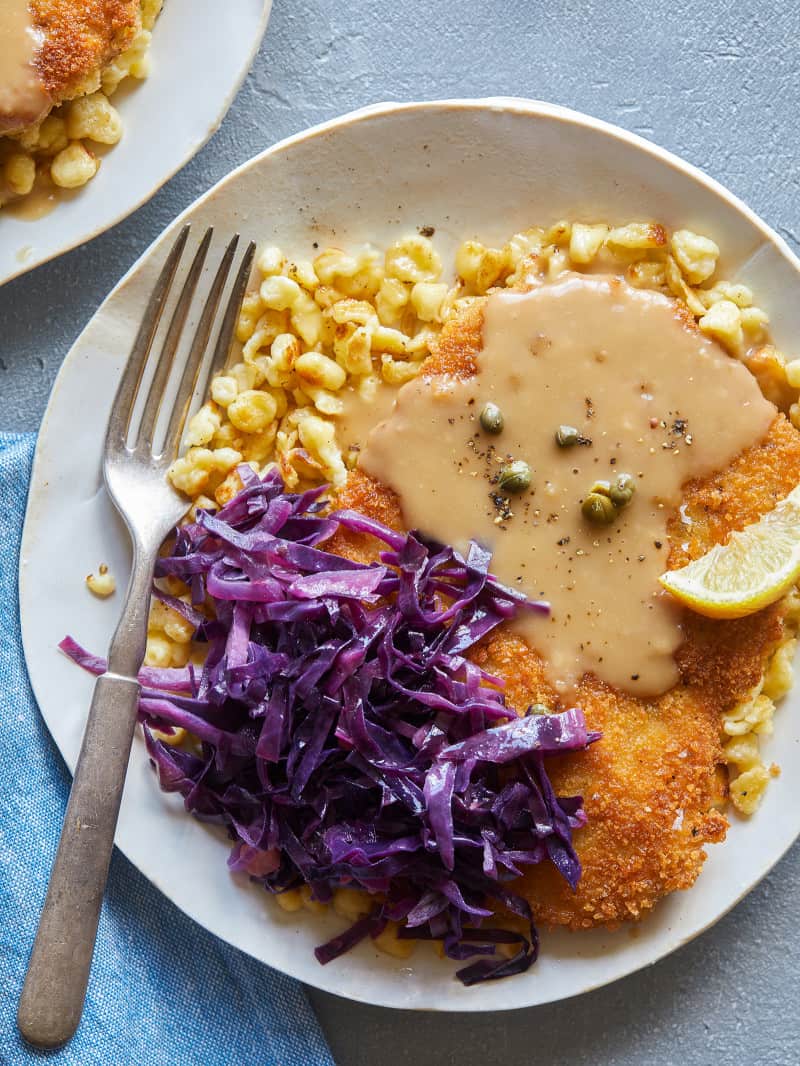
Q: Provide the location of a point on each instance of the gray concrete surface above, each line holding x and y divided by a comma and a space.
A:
717, 82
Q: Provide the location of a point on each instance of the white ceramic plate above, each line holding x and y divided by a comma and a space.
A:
201, 52
484, 168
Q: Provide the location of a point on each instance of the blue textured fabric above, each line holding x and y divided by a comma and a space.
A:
163, 991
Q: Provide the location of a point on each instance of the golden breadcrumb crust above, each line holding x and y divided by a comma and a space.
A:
81, 37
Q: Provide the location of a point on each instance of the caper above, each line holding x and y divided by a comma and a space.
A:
516, 477
599, 509
622, 489
603, 487
538, 708
492, 418
566, 436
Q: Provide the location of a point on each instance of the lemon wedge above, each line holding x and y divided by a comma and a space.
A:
755, 568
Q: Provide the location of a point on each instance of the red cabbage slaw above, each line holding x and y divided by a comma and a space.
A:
345, 740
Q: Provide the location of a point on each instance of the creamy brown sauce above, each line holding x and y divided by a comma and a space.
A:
23, 99
363, 411
655, 398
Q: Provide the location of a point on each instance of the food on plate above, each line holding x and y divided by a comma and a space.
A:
103, 583
342, 737
60, 62
650, 786
366, 322
594, 407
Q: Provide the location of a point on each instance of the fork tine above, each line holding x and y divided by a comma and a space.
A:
132, 375
225, 336
196, 353
155, 394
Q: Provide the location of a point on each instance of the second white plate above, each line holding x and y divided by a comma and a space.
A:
201, 52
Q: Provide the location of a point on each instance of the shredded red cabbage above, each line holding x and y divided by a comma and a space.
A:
345, 738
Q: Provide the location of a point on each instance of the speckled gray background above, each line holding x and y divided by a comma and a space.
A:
717, 82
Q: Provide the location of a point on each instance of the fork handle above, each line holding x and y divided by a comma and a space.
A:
58, 971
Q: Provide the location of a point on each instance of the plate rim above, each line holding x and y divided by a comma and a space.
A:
521, 105
26, 266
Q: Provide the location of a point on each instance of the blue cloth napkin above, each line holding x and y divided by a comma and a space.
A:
163, 992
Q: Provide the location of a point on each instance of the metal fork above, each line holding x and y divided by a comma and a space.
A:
134, 469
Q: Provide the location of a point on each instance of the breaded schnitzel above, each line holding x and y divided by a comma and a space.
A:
77, 39
80, 37
651, 785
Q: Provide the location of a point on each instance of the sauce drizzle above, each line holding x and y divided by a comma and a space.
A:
23, 99
655, 399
